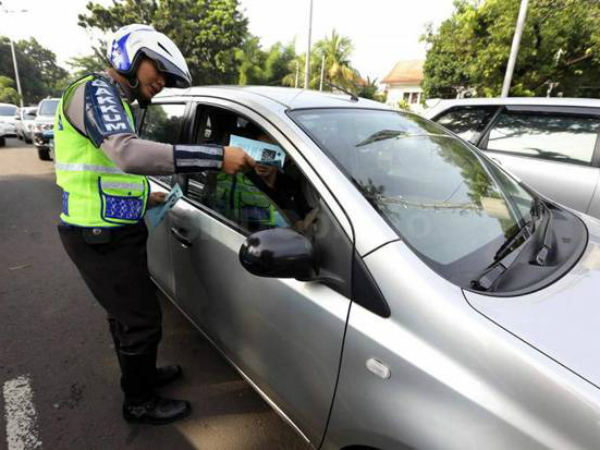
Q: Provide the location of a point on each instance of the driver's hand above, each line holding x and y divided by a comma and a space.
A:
236, 160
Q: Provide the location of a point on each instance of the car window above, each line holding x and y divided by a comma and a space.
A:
552, 137
468, 121
7, 110
263, 198
162, 123
48, 107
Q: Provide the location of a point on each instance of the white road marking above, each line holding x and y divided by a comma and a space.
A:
20, 415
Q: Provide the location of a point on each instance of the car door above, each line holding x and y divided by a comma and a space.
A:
283, 334
162, 122
554, 150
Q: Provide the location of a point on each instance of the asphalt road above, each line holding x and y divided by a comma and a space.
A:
54, 340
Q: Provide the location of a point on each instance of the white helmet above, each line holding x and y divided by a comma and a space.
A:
130, 43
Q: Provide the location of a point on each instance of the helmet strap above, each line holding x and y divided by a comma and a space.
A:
134, 84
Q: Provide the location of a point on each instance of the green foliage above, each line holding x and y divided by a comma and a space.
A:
259, 67
82, 65
208, 32
39, 73
370, 90
338, 71
560, 45
8, 94
403, 105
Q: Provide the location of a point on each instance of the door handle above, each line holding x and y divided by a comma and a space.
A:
185, 242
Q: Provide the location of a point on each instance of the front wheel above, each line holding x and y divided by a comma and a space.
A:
43, 153
2, 141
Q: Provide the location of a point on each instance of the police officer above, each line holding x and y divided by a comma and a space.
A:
100, 166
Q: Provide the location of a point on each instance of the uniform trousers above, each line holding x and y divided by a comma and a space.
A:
113, 264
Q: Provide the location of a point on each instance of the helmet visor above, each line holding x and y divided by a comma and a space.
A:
175, 77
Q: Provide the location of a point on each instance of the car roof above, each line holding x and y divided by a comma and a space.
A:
521, 101
290, 98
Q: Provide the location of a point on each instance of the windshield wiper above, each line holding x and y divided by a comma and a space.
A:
492, 274
542, 254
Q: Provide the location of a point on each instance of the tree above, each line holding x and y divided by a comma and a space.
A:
370, 90
8, 94
39, 73
338, 69
208, 32
82, 65
260, 67
560, 49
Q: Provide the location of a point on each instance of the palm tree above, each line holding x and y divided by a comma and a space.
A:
338, 70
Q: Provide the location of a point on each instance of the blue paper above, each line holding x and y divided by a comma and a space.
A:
154, 216
263, 153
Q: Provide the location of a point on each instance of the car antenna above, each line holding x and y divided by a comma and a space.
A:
353, 97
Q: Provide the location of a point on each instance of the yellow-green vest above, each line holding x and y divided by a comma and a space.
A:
239, 200
96, 193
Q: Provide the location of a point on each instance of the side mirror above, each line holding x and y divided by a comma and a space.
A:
279, 253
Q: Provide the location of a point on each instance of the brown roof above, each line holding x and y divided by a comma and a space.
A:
405, 72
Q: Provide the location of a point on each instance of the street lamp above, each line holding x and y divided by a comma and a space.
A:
514, 52
14, 56
307, 72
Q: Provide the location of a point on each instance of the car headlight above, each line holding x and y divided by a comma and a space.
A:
43, 126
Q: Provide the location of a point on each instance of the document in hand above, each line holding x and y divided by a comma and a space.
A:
155, 215
263, 153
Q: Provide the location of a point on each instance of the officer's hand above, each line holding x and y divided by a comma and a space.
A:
156, 199
236, 160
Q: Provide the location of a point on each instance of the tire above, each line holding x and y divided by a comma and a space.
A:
2, 141
43, 153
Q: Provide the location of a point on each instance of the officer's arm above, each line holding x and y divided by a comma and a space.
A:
96, 111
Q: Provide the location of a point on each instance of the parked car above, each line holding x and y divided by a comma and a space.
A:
551, 143
25, 118
4, 132
44, 122
7, 116
411, 293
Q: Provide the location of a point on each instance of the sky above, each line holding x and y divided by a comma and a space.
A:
383, 32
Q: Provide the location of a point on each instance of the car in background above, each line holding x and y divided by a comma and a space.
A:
25, 118
7, 116
550, 143
44, 122
396, 290
4, 132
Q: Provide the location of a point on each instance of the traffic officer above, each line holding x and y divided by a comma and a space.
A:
101, 165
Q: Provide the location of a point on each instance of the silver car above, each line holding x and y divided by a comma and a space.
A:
24, 123
390, 287
550, 143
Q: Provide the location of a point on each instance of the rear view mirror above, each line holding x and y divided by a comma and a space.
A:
279, 253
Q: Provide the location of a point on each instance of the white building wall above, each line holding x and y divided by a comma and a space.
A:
412, 93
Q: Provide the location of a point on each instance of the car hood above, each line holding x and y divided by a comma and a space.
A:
44, 119
562, 320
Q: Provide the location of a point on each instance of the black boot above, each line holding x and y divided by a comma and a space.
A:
141, 404
164, 375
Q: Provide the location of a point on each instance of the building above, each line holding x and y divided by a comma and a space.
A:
404, 83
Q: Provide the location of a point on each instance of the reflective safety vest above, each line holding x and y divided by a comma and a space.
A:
240, 200
96, 193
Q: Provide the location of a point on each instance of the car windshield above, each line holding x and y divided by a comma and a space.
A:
445, 200
7, 110
48, 107
29, 114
